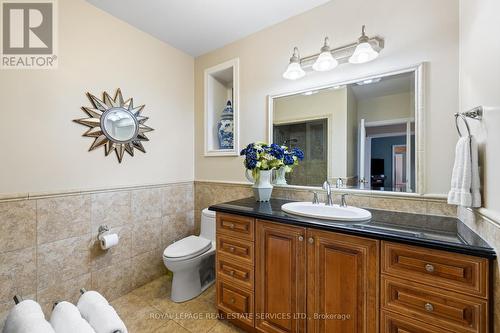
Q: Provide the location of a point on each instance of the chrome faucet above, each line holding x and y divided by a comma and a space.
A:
343, 202
328, 188
315, 200
340, 182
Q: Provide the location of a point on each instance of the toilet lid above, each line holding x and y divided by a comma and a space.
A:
189, 246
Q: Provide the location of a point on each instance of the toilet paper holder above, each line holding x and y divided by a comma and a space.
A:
101, 231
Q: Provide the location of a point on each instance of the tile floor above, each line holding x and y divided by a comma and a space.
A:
149, 309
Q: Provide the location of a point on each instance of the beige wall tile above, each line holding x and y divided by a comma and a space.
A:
62, 217
113, 281
17, 225
17, 273
65, 291
63, 260
146, 236
147, 267
177, 199
101, 258
146, 204
399, 205
441, 209
112, 209
169, 233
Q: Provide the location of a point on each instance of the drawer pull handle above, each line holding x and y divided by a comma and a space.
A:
231, 225
311, 240
429, 307
231, 272
232, 301
301, 238
231, 249
429, 268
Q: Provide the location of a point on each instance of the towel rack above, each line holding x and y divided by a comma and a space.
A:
475, 113
17, 299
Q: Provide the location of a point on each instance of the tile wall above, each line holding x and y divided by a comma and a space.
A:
49, 248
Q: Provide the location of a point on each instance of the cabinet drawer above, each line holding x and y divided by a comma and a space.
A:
236, 226
461, 273
236, 249
235, 273
394, 323
236, 302
451, 311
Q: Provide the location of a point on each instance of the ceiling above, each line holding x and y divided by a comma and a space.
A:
200, 26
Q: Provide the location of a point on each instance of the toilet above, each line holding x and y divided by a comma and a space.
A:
192, 261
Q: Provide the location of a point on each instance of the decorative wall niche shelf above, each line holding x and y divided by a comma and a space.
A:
221, 90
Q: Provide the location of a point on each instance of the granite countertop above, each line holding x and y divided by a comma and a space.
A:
443, 233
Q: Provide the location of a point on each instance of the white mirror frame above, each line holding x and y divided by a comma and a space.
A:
419, 123
210, 151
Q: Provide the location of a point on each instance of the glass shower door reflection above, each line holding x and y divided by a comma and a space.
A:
310, 137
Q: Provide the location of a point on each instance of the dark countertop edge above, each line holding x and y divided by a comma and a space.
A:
488, 253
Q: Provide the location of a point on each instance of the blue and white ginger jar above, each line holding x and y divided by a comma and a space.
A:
225, 127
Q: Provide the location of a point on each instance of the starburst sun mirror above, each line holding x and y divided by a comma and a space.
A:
115, 124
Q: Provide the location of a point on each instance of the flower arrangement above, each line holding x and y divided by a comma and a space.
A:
262, 156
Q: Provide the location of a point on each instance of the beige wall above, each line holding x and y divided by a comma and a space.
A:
43, 150
389, 107
415, 31
479, 85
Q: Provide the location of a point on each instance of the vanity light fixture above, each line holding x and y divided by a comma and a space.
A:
369, 81
364, 52
309, 93
294, 70
361, 51
325, 61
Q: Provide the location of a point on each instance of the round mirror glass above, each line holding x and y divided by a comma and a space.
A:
119, 125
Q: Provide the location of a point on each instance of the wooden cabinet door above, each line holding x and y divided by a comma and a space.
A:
280, 303
342, 283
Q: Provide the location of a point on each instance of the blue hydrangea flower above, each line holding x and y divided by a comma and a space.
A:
276, 151
250, 163
299, 153
288, 159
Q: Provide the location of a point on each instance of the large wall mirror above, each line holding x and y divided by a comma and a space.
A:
362, 134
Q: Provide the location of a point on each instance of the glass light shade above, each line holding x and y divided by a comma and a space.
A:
364, 52
325, 62
294, 71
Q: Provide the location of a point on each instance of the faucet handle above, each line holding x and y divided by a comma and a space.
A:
326, 185
315, 200
340, 182
343, 202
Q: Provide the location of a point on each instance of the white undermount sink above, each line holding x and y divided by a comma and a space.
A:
321, 211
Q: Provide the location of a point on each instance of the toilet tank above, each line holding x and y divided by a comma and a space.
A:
207, 229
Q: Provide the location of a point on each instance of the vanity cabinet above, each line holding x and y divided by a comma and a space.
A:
280, 278
280, 295
342, 282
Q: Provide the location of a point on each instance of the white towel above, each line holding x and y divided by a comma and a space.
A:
66, 318
37, 325
101, 316
465, 183
27, 317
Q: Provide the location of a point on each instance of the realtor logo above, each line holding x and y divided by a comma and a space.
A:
28, 34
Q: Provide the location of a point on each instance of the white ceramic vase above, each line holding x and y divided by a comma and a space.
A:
280, 176
262, 186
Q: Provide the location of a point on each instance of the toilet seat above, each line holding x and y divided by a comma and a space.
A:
187, 248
